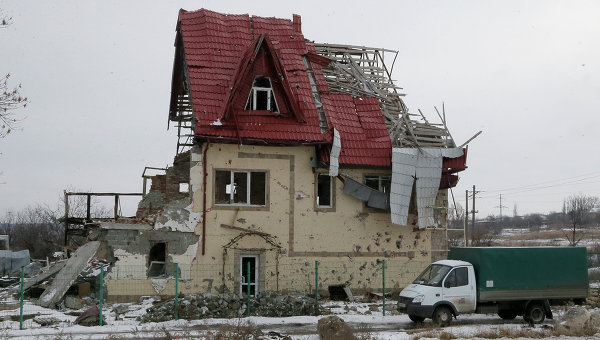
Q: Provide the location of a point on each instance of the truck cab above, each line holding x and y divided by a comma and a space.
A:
445, 289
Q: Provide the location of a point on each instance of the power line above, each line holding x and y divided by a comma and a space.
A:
587, 176
532, 188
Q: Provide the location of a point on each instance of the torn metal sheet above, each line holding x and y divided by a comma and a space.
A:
408, 165
429, 173
378, 200
404, 163
374, 198
356, 189
75, 264
336, 147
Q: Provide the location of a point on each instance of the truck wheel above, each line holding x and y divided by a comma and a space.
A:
507, 314
415, 318
535, 313
442, 316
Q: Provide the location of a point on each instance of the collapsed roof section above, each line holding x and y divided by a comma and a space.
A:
361, 71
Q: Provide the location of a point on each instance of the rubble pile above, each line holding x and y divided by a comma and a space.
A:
201, 306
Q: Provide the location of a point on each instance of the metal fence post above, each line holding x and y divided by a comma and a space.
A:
383, 274
101, 292
316, 287
21, 302
176, 291
248, 290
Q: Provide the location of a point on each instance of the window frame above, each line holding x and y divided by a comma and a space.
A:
332, 193
238, 205
366, 208
270, 97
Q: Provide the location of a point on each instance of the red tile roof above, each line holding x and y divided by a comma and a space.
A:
220, 46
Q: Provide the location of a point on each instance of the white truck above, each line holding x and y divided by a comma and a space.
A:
509, 281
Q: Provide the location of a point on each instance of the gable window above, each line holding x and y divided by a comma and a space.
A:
262, 96
240, 187
325, 192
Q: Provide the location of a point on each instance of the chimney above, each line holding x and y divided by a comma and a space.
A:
297, 23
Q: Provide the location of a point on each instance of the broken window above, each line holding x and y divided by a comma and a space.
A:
156, 259
240, 187
381, 198
379, 183
324, 192
262, 96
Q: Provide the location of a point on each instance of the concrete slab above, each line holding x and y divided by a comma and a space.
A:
68, 274
53, 270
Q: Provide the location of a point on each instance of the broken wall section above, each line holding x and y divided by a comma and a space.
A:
172, 186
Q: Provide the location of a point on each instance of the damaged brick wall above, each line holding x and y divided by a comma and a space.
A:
166, 188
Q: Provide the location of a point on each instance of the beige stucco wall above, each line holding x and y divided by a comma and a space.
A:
347, 240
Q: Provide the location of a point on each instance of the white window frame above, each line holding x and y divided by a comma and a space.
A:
270, 93
248, 186
330, 205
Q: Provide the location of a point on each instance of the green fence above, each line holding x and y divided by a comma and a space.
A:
304, 284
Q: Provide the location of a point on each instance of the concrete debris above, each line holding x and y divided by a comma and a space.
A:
74, 302
159, 284
575, 319
91, 317
334, 328
43, 276
12, 261
203, 306
68, 274
45, 320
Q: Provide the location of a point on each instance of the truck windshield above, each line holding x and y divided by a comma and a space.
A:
433, 275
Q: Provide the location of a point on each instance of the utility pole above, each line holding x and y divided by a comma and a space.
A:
473, 211
466, 216
501, 206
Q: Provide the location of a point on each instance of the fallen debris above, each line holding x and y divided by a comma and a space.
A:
202, 306
68, 274
90, 317
334, 328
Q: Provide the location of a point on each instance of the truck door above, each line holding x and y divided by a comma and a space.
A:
458, 289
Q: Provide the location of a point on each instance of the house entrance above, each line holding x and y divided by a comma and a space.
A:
249, 277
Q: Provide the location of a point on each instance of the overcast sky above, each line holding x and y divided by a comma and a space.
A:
98, 76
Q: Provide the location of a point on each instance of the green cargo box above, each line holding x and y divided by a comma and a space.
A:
527, 273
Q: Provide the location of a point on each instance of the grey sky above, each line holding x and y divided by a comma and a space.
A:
98, 75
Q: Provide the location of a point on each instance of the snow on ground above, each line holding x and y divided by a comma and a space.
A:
365, 317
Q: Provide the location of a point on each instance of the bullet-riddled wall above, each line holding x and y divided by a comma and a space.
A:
289, 232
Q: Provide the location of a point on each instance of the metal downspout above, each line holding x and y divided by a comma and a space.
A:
204, 175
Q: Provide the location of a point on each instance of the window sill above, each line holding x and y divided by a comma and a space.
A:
245, 207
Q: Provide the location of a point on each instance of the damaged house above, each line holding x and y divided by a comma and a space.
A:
289, 152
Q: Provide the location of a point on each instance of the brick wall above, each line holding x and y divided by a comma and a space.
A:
167, 185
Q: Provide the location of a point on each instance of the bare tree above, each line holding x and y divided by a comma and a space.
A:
35, 228
576, 209
10, 97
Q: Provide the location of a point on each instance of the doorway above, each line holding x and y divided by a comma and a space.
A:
248, 277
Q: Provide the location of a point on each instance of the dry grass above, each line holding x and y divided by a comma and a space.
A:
510, 333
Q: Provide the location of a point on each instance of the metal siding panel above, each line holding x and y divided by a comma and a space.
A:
336, 147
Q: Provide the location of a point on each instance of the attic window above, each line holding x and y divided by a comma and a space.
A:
262, 96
